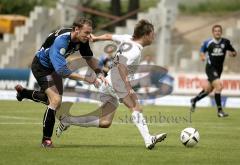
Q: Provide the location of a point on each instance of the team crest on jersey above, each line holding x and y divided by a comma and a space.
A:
62, 51
222, 46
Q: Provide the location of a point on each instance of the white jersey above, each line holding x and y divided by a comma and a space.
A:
130, 56
130, 50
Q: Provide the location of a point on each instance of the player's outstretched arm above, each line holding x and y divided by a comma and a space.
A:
76, 76
103, 37
93, 63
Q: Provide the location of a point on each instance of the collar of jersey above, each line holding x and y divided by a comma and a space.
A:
216, 42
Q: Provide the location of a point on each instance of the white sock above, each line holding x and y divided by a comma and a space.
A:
82, 121
140, 122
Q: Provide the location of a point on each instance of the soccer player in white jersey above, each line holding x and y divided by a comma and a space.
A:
126, 61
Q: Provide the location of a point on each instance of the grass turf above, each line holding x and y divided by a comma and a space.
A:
21, 131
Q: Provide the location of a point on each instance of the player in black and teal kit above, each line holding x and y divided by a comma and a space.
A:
49, 67
214, 51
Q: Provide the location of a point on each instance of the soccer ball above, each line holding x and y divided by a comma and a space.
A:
189, 137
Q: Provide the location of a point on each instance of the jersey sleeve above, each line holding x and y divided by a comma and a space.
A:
57, 56
203, 48
229, 46
85, 51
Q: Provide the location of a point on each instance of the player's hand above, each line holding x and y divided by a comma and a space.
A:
92, 38
102, 78
90, 79
97, 83
232, 54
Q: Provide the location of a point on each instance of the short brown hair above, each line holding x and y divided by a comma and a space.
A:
143, 27
79, 22
216, 26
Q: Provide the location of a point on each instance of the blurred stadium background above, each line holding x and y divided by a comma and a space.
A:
181, 26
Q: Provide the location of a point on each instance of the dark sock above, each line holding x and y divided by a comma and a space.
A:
48, 123
37, 96
201, 95
25, 93
218, 101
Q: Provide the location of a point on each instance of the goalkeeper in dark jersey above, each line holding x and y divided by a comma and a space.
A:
49, 66
213, 51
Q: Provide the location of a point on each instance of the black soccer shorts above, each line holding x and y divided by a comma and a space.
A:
46, 77
213, 73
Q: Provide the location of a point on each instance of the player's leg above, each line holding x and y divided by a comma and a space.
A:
205, 91
49, 115
34, 95
102, 117
212, 75
108, 110
53, 86
218, 89
140, 122
41, 74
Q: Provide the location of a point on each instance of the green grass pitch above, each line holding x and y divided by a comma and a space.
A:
21, 131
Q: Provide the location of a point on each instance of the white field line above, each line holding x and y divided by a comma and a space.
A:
118, 123
17, 118
20, 123
114, 123
163, 124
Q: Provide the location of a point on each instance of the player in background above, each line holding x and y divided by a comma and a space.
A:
105, 60
49, 66
213, 51
126, 62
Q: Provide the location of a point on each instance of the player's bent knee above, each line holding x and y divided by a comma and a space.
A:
219, 88
56, 101
109, 99
105, 124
